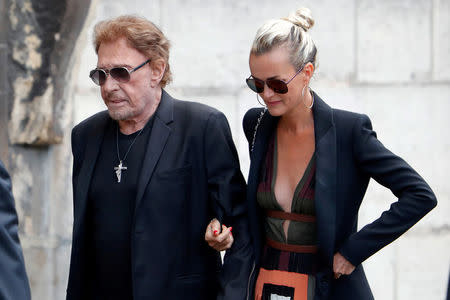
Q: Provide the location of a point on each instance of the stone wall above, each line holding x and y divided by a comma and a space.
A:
3, 85
38, 38
387, 59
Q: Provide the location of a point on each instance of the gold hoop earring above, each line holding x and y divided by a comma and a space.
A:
257, 98
303, 96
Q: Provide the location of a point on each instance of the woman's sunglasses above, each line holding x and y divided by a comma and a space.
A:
276, 85
121, 74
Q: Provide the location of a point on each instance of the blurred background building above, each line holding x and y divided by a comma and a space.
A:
387, 59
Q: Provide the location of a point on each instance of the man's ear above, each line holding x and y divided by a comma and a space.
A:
157, 68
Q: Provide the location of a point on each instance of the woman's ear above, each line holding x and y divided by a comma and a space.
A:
309, 70
158, 68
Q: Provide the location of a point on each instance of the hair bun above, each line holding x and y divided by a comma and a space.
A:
301, 17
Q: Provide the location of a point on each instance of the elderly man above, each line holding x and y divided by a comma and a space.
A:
148, 176
13, 277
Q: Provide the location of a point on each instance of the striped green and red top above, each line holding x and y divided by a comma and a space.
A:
302, 230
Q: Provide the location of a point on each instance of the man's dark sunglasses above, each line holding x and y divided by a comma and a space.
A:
121, 74
277, 85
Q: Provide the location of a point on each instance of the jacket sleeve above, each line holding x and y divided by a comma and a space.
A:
227, 192
13, 278
415, 197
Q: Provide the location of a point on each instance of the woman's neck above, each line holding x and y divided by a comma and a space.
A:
297, 120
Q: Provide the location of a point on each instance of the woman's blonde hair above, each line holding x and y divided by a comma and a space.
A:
141, 34
291, 32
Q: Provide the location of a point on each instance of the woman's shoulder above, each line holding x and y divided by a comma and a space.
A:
253, 113
349, 119
251, 121
251, 118
340, 117
352, 126
345, 115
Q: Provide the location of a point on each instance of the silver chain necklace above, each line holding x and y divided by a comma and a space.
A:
120, 166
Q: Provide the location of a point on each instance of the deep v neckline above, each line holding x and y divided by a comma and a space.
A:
299, 185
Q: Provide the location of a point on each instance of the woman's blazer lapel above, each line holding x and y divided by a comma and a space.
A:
263, 133
325, 188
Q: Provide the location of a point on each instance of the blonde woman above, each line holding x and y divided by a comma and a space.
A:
310, 167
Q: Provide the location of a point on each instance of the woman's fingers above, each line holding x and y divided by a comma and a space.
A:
224, 240
218, 239
211, 231
225, 235
214, 226
341, 266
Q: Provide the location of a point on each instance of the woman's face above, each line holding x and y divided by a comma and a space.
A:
275, 65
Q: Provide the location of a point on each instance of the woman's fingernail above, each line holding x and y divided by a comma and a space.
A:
231, 228
215, 232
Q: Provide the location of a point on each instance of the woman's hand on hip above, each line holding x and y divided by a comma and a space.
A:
218, 239
341, 266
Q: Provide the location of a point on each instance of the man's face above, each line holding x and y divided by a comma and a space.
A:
132, 100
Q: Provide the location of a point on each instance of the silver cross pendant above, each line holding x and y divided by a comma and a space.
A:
118, 170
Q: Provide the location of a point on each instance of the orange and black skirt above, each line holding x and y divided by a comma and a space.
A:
286, 275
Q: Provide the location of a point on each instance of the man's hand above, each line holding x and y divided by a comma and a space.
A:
218, 239
341, 266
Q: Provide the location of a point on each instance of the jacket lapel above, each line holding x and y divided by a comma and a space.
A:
93, 144
156, 143
325, 188
263, 133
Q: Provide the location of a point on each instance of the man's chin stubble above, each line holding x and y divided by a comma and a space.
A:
119, 116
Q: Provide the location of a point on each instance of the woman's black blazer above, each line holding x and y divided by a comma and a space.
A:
348, 154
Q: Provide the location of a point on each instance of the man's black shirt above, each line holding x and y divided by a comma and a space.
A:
110, 213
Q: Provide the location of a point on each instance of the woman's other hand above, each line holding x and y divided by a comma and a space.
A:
218, 239
341, 266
